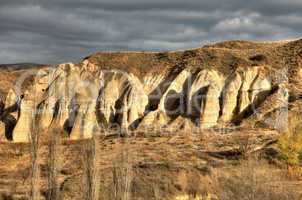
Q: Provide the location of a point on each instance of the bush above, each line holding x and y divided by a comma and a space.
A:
290, 145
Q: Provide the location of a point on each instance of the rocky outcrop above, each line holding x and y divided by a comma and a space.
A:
204, 97
121, 99
151, 82
83, 99
24, 127
273, 111
249, 76
171, 102
113, 91
229, 96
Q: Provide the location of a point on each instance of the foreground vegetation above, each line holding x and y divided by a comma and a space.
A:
151, 166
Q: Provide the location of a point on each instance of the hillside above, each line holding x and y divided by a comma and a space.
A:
224, 84
202, 122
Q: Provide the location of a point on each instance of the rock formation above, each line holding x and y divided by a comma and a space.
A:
81, 99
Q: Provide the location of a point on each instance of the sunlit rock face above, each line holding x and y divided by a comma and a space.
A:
230, 96
81, 100
116, 91
24, 127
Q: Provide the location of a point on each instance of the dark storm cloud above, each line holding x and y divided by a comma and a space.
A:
52, 31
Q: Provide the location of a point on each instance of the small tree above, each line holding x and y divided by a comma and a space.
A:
290, 147
290, 143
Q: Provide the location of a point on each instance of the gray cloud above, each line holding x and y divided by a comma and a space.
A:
66, 30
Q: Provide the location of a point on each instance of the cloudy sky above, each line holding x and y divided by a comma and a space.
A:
54, 31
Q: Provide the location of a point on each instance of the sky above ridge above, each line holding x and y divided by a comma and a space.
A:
55, 31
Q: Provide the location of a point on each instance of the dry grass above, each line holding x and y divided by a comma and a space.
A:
147, 167
253, 180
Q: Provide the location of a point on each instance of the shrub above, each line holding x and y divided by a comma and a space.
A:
290, 144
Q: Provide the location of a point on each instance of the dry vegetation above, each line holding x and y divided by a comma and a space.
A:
290, 143
184, 166
224, 57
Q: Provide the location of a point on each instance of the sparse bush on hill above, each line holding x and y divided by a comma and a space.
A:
290, 146
290, 143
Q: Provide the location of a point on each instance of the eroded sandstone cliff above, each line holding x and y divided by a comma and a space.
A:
220, 85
